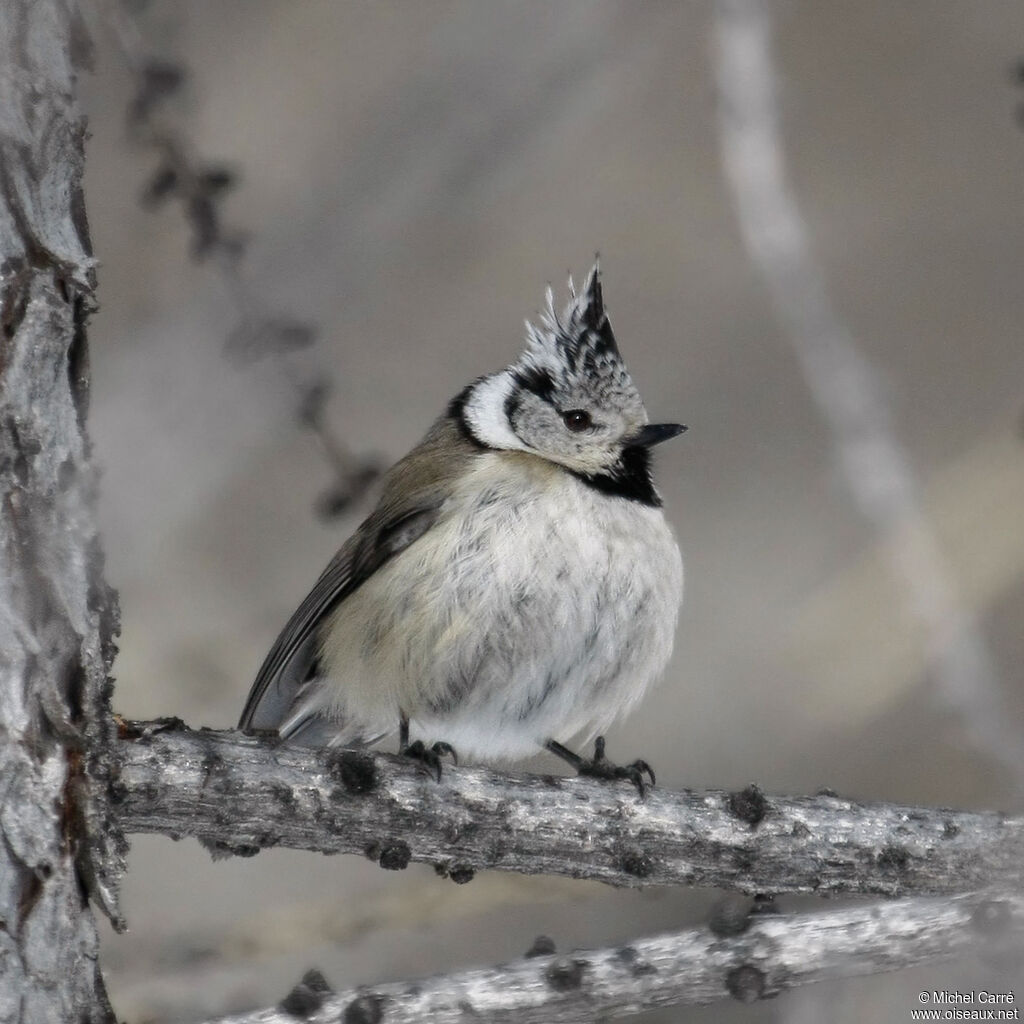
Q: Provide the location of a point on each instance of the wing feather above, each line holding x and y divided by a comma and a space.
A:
287, 664
413, 494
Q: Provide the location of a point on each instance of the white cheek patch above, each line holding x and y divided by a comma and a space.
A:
485, 413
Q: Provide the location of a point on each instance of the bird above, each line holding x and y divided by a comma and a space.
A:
517, 583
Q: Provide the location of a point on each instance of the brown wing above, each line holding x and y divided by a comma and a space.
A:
413, 492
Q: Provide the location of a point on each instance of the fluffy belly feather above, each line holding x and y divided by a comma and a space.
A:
534, 608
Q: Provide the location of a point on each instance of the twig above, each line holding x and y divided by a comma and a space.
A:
200, 186
245, 794
842, 382
772, 954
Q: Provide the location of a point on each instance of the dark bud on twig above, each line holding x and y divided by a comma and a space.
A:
333, 503
162, 77
289, 335
157, 80
543, 945
251, 340
312, 399
992, 918
749, 805
202, 215
730, 916
745, 983
394, 855
160, 186
353, 476
1018, 77
565, 974
364, 1009
215, 180
308, 996
336, 501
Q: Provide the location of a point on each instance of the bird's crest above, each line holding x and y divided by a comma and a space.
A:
564, 350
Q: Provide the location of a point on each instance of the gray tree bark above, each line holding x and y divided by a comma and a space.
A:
761, 957
58, 845
245, 794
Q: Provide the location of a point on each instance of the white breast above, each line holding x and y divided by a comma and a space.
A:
534, 609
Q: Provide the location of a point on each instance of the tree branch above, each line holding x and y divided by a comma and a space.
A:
771, 954
200, 186
850, 396
246, 794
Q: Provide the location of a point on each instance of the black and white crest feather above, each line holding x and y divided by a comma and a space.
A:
577, 344
571, 368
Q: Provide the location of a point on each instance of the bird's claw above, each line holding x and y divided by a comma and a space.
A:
441, 749
599, 767
429, 758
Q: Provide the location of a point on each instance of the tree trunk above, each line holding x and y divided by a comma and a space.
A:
58, 846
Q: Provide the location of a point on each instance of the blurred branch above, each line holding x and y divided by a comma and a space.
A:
200, 187
59, 846
241, 794
769, 955
842, 382
1018, 77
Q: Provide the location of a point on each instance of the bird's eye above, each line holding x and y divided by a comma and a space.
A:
576, 419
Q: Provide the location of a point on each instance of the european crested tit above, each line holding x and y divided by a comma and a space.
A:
517, 582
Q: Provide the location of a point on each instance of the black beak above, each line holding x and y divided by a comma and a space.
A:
655, 433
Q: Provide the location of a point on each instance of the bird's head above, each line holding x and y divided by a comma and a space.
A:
569, 397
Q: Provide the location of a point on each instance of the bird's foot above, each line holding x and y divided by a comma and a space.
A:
599, 767
429, 758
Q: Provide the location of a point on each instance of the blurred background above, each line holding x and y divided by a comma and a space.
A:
411, 177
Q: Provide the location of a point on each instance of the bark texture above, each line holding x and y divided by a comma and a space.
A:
245, 794
58, 845
770, 953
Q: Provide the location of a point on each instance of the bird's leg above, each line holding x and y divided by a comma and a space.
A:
599, 767
429, 758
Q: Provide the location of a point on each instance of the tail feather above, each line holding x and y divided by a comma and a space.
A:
309, 725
